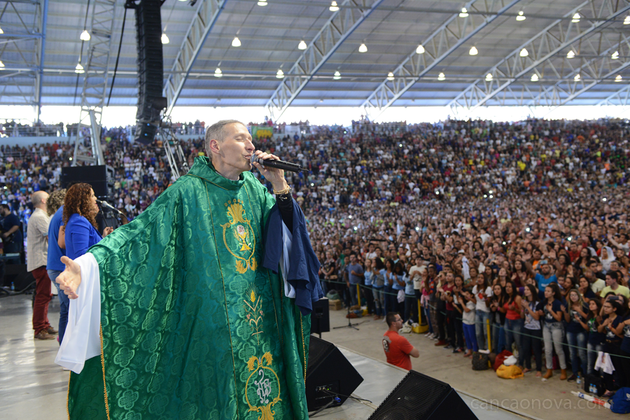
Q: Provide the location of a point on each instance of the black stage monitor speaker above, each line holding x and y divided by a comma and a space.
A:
330, 378
420, 397
17, 274
320, 317
96, 176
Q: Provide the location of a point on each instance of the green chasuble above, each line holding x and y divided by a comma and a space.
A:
192, 326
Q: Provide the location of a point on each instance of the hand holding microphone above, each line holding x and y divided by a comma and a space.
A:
267, 160
272, 168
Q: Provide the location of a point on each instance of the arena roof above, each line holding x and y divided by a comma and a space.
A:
577, 53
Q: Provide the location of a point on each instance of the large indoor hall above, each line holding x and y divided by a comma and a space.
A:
294, 209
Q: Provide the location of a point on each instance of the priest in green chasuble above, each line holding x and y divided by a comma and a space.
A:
175, 315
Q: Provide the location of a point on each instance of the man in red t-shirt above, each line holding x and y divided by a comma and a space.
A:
397, 348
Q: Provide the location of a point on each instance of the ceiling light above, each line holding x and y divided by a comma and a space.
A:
337, 75
165, 39
302, 45
1, 31
577, 77
615, 55
489, 77
333, 7
79, 69
236, 42
182, 0
521, 16
570, 54
390, 76
618, 78
463, 13
85, 35
420, 49
626, 21
473, 51
441, 77
1, 64
262, 3
576, 18
280, 74
218, 72
362, 48
534, 77
524, 52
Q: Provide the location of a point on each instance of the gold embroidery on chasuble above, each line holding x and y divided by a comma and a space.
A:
263, 386
239, 237
254, 311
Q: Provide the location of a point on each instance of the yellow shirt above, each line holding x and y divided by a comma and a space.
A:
621, 290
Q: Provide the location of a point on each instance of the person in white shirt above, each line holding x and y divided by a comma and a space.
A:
37, 252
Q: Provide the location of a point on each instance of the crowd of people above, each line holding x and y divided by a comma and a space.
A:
511, 236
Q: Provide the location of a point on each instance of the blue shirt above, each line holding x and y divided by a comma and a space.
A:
80, 236
368, 277
54, 252
357, 269
10, 221
408, 285
395, 279
555, 306
543, 282
389, 277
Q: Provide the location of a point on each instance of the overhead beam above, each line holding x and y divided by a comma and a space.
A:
338, 28
591, 72
439, 45
26, 35
41, 56
202, 22
620, 98
545, 45
95, 83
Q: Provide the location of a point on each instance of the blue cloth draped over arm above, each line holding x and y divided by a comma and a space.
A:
303, 263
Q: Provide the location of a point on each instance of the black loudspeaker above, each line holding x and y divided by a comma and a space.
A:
150, 69
330, 378
320, 317
420, 397
17, 274
96, 176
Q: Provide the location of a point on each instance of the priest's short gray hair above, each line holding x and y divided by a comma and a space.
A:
215, 131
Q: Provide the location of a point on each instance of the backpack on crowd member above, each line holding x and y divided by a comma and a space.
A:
620, 402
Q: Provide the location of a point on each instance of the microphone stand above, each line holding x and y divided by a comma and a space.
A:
350, 324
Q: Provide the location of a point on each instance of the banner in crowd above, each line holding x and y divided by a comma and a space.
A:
261, 131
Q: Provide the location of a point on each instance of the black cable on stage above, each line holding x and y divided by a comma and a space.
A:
122, 31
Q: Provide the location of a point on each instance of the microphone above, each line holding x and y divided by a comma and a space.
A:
279, 164
108, 206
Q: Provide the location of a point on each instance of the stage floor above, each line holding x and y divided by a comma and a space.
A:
33, 387
379, 379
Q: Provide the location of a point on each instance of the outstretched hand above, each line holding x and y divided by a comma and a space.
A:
70, 279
